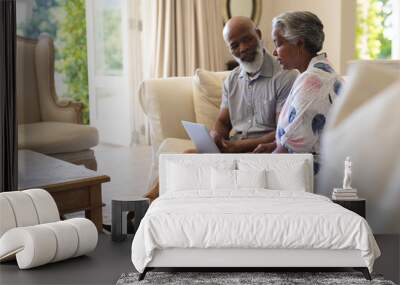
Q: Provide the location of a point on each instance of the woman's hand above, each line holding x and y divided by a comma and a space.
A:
265, 148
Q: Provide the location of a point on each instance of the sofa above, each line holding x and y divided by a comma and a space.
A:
168, 101
46, 123
364, 124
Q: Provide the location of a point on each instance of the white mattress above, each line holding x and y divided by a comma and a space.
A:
252, 218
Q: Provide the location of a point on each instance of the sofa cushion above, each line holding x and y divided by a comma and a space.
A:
56, 137
166, 102
366, 79
173, 145
207, 92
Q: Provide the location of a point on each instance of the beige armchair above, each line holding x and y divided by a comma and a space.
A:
45, 123
166, 102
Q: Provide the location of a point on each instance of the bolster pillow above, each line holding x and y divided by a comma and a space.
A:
26, 208
40, 244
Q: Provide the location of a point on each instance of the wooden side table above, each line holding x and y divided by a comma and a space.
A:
357, 205
73, 187
124, 204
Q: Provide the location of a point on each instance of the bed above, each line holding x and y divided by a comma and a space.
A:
247, 210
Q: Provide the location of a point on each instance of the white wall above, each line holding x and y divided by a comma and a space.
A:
338, 17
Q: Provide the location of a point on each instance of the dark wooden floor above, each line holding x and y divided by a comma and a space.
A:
111, 259
102, 266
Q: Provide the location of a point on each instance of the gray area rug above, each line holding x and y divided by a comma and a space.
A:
229, 278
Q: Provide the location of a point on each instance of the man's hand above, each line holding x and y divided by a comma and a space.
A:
230, 146
218, 138
265, 147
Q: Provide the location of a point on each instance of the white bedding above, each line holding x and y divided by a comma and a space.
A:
252, 218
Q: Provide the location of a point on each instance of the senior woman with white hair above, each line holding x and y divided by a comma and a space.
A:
298, 38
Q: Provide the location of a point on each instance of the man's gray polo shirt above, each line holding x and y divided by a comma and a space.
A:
255, 102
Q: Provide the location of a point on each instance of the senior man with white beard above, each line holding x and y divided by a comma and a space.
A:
253, 93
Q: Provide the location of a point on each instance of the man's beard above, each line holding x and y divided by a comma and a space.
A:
255, 65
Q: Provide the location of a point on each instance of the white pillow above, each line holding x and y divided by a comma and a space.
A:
222, 179
251, 178
187, 174
182, 177
281, 175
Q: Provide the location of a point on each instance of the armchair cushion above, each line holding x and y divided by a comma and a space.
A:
56, 137
207, 93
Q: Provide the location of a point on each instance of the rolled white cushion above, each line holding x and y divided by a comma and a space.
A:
87, 235
33, 246
23, 208
45, 205
37, 245
67, 240
7, 218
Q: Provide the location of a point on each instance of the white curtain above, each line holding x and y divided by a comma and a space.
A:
172, 38
137, 58
187, 35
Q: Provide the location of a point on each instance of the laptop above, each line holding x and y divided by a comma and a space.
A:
201, 138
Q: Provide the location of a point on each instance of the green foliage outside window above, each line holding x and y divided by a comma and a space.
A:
112, 39
373, 19
65, 22
73, 53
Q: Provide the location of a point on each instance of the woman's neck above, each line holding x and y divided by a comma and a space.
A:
305, 62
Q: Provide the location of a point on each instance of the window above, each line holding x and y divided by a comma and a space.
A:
64, 21
377, 31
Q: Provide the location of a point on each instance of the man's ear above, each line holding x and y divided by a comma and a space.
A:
300, 43
258, 32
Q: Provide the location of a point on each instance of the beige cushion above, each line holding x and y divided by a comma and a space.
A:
365, 80
207, 92
172, 145
166, 102
364, 126
56, 137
